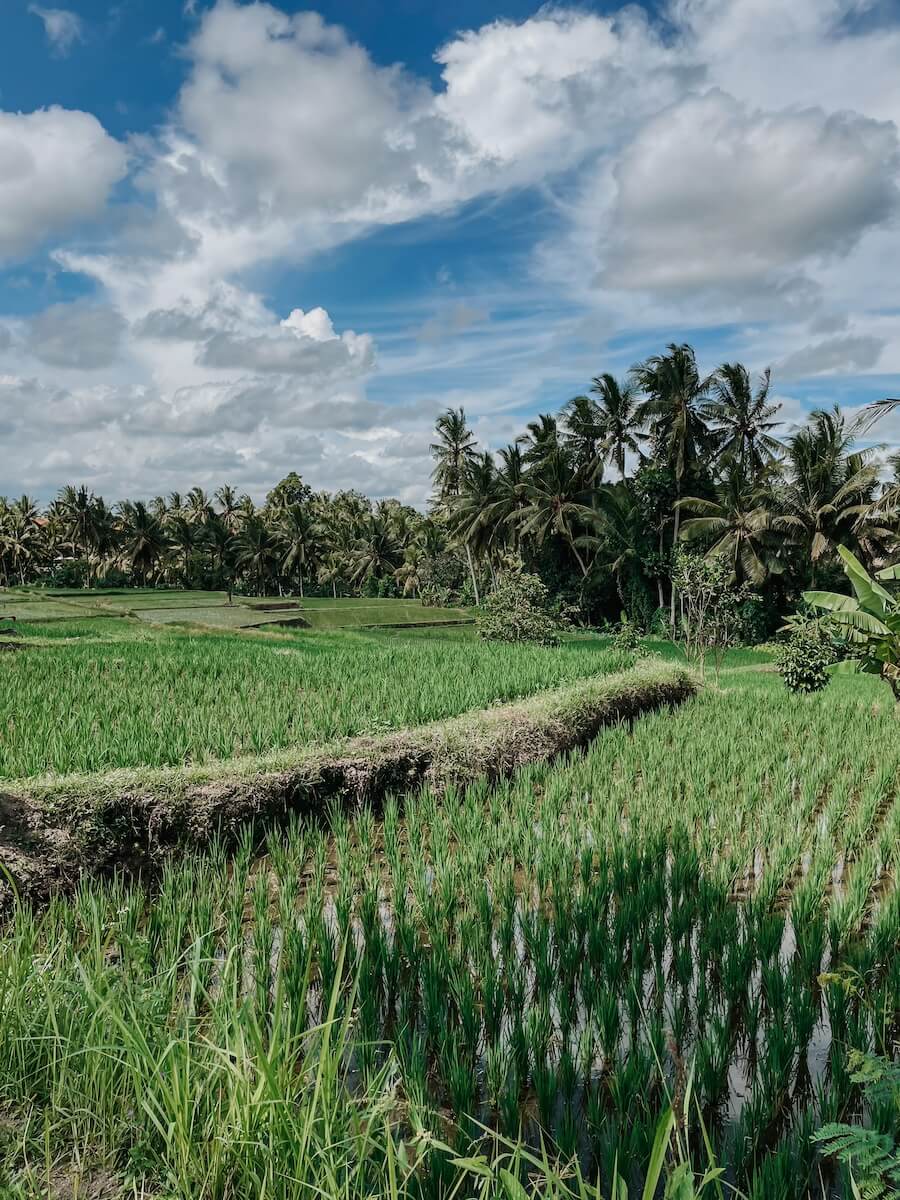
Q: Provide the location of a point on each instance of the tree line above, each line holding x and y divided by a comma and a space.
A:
598, 499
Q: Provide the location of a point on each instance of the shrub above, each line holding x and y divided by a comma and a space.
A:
805, 658
517, 610
628, 636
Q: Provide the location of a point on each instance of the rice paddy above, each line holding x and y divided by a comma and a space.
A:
88, 705
214, 609
501, 990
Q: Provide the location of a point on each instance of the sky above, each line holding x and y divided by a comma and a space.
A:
242, 239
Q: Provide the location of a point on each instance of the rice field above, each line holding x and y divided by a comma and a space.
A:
163, 606
697, 915
83, 704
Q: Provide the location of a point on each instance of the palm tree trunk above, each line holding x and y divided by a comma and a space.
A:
334, 588
675, 532
472, 573
301, 584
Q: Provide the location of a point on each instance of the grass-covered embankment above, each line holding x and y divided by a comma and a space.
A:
53, 829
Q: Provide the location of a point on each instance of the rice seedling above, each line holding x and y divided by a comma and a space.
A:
87, 706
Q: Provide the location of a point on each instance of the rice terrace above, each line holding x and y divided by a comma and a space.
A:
450, 600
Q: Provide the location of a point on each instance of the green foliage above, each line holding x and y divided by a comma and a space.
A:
804, 659
872, 1156
709, 605
517, 610
627, 636
869, 621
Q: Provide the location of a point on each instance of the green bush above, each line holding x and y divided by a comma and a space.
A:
517, 610
628, 636
805, 658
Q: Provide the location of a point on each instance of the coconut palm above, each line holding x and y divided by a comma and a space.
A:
620, 420
557, 502
299, 536
581, 421
257, 551
741, 525
22, 546
144, 539
743, 419
622, 542
540, 441
472, 517
229, 503
377, 551
452, 451
829, 486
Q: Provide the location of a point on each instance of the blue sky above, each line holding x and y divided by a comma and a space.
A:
241, 239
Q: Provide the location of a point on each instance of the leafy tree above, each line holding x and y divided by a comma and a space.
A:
289, 491
708, 607
517, 610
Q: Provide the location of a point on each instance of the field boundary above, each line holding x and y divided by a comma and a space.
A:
54, 831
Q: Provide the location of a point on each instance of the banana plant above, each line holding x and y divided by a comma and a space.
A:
869, 620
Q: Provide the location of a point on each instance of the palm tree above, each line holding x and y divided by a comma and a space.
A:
333, 568
377, 551
144, 540
218, 537
742, 419
674, 407
78, 511
829, 486
509, 499
556, 502
472, 519
229, 503
299, 536
581, 418
452, 452
198, 506
541, 440
21, 538
622, 539
409, 573
741, 524
185, 538
620, 420
257, 551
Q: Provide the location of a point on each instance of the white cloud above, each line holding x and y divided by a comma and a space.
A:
711, 195
57, 167
62, 27
733, 164
852, 352
80, 334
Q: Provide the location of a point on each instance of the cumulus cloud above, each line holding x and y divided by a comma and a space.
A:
713, 195
731, 163
57, 167
62, 27
79, 334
